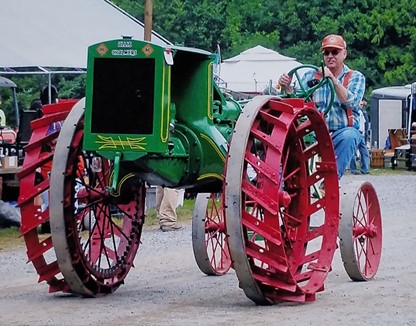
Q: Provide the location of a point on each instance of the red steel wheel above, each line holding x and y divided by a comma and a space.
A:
282, 240
360, 231
95, 233
209, 237
39, 246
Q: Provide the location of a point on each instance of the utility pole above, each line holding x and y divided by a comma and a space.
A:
148, 14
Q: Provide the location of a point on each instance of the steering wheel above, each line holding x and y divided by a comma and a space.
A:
306, 92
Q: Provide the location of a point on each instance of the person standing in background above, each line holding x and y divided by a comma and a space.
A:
44, 95
362, 146
2, 115
166, 203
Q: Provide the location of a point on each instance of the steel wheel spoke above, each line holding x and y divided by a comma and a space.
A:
94, 251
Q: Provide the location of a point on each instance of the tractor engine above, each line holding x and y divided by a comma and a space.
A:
158, 112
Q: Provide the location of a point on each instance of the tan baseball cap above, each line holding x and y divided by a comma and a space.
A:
334, 41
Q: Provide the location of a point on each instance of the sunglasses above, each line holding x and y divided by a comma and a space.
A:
333, 52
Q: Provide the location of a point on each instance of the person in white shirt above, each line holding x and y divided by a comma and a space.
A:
2, 115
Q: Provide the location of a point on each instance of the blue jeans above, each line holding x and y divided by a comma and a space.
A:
345, 141
364, 158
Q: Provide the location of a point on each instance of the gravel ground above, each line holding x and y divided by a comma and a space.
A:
167, 288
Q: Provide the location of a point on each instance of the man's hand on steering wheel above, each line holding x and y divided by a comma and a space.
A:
306, 91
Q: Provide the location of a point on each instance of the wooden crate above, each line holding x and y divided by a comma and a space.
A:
377, 158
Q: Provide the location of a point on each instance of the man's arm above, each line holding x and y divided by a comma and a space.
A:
356, 89
340, 91
285, 80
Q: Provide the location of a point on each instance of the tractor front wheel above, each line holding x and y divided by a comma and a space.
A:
360, 231
209, 237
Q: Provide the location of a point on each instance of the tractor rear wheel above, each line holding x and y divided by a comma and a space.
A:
209, 237
281, 239
360, 231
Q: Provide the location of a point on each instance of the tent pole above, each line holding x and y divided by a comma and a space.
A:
50, 88
148, 14
16, 107
411, 108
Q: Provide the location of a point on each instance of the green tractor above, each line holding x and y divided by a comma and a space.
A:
153, 114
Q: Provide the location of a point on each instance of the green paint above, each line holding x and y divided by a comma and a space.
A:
169, 122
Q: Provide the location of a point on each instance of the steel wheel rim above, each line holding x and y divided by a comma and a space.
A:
282, 278
97, 260
209, 238
360, 231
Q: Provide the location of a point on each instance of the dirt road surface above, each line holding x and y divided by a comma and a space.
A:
167, 288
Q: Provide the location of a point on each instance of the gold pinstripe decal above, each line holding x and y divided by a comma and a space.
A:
211, 175
162, 137
221, 155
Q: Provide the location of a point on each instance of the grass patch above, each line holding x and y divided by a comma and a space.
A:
10, 238
184, 213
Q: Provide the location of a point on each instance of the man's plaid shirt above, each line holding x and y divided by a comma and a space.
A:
337, 116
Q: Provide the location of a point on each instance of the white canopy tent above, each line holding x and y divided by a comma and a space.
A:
254, 69
56, 33
52, 36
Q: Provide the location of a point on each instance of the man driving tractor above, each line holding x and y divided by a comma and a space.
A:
343, 118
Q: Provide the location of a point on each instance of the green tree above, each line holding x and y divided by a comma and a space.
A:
381, 35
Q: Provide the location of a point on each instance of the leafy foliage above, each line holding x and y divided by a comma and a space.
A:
29, 88
381, 35
72, 88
